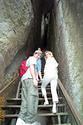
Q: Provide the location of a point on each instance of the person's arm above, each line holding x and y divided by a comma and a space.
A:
40, 76
32, 71
39, 69
56, 63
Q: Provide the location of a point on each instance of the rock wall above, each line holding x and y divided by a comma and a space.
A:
16, 18
67, 43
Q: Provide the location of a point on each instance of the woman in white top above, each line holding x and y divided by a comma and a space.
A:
50, 76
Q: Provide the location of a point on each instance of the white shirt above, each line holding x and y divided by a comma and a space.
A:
51, 66
31, 60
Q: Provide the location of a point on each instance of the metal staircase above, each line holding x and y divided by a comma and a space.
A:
12, 108
65, 114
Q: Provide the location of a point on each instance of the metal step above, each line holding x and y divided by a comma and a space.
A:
39, 106
39, 114
62, 124
19, 99
40, 94
39, 88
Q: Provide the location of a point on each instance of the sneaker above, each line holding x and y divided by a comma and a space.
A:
46, 103
36, 123
28, 124
20, 122
54, 108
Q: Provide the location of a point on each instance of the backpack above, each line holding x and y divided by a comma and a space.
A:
23, 68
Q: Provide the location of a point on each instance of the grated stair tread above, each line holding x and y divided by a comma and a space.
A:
39, 106
39, 114
19, 99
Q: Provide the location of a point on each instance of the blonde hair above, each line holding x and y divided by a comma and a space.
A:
49, 52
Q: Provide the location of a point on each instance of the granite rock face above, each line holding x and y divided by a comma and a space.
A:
15, 22
67, 44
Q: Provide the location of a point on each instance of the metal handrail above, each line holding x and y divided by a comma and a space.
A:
70, 104
3, 95
1, 91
